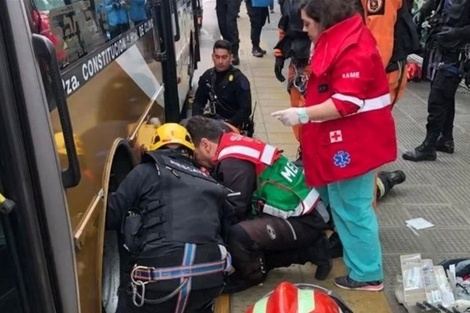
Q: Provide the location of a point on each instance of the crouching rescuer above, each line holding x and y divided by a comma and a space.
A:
170, 216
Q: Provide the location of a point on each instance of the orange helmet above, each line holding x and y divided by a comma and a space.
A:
299, 298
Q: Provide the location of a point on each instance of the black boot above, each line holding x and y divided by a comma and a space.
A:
424, 152
258, 52
445, 145
387, 180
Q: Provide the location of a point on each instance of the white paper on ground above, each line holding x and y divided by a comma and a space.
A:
419, 223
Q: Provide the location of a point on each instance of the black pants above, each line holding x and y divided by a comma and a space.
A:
258, 16
227, 12
199, 301
441, 103
267, 242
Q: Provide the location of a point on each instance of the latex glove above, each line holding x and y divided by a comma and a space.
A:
288, 117
278, 66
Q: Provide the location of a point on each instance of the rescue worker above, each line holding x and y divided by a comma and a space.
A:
224, 91
227, 13
293, 44
162, 232
258, 14
447, 64
347, 100
260, 242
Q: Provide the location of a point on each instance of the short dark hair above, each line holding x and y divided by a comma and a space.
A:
329, 12
222, 44
202, 127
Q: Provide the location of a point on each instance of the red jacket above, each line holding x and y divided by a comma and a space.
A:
347, 68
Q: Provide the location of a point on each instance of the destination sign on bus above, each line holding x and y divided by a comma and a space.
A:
90, 65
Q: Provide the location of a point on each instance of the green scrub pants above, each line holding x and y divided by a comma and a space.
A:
351, 203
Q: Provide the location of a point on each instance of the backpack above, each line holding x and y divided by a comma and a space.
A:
406, 38
282, 191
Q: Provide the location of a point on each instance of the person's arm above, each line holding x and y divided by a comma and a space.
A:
201, 97
243, 96
125, 197
239, 176
348, 95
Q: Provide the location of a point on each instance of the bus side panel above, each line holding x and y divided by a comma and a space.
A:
183, 48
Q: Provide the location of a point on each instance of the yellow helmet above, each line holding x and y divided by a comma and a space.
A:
171, 133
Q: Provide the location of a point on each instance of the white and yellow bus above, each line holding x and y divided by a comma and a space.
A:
80, 79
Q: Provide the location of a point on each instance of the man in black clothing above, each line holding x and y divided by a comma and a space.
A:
170, 263
446, 61
258, 16
227, 13
223, 91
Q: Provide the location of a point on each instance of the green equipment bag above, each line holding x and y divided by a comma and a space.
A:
282, 191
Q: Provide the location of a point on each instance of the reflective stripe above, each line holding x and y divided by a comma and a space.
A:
265, 157
268, 154
305, 300
365, 105
292, 229
261, 306
376, 103
321, 209
351, 99
368, 105
300, 209
250, 152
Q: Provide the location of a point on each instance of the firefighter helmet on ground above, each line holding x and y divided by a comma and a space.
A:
171, 133
299, 298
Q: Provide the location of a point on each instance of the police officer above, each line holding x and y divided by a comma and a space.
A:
258, 244
224, 91
293, 44
227, 13
258, 13
446, 63
162, 232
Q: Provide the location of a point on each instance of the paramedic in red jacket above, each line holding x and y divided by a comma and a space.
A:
347, 131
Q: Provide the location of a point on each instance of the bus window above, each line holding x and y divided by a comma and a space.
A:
78, 27
9, 299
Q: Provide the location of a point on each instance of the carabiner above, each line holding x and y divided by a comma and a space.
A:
135, 293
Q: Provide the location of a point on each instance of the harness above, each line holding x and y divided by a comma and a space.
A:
143, 275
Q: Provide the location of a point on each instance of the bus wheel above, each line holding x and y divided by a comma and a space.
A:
113, 251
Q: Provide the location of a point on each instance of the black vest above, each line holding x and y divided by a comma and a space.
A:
187, 209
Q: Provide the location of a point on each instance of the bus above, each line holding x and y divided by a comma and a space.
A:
83, 83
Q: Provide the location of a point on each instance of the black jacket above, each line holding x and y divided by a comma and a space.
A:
239, 176
232, 89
